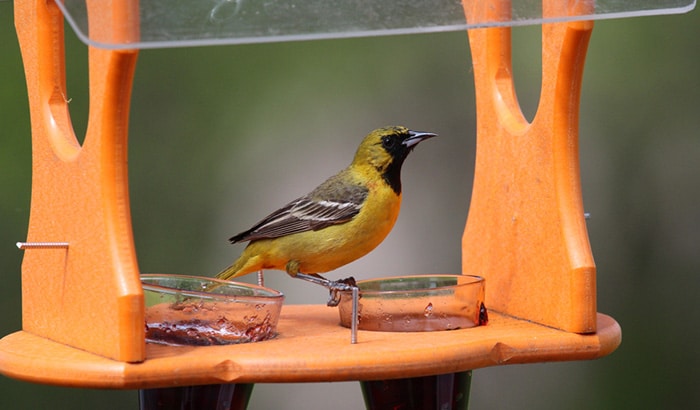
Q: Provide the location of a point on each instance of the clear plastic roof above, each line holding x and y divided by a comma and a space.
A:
179, 23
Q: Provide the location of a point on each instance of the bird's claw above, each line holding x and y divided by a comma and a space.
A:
335, 287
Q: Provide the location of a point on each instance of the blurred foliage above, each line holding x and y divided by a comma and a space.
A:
221, 135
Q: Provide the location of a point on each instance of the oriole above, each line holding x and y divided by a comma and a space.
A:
340, 221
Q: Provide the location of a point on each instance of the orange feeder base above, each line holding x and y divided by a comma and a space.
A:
311, 347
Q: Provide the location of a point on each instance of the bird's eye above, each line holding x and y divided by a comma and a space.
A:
388, 142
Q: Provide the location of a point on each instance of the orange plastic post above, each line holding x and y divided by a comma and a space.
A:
87, 295
526, 231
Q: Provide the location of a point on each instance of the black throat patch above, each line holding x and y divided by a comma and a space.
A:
392, 175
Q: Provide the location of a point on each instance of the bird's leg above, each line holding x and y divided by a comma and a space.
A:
333, 286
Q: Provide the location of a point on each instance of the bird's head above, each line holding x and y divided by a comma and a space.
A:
386, 149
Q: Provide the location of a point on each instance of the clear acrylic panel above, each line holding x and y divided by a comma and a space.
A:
178, 23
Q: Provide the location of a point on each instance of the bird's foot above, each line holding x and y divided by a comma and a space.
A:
334, 286
337, 286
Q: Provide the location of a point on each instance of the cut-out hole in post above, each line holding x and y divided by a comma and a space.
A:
77, 87
60, 126
526, 58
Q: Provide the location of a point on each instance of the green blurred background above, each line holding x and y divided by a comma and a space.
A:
221, 135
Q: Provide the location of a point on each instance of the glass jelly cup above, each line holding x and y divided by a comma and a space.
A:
416, 303
198, 311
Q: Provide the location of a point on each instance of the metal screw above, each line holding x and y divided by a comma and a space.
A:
42, 245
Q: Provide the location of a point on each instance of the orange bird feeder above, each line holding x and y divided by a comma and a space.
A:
526, 232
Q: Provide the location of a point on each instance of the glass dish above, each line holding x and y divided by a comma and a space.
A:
198, 311
417, 303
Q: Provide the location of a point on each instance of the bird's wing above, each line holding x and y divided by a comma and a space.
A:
309, 213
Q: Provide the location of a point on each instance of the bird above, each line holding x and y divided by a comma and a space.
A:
341, 220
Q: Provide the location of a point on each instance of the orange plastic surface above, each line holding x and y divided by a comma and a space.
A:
526, 232
89, 295
311, 347
83, 308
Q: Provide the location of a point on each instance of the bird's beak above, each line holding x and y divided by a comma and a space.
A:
414, 137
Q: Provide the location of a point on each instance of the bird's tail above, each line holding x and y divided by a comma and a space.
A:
242, 266
232, 271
